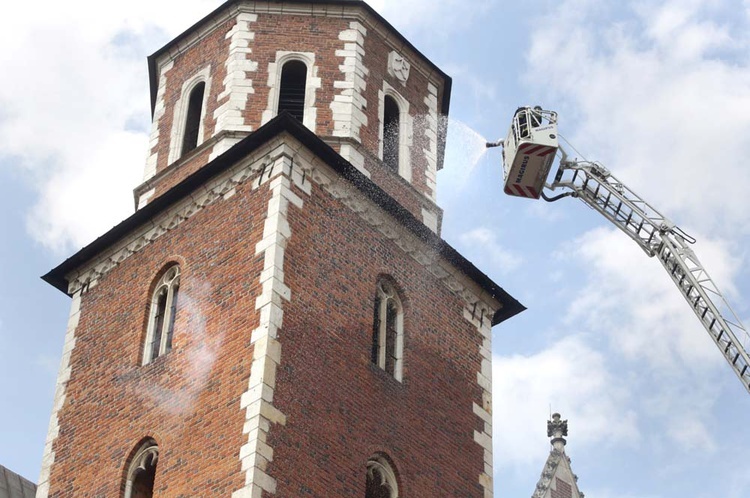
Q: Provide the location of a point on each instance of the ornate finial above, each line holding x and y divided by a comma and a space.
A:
555, 425
556, 429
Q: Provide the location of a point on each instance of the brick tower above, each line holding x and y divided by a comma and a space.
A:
280, 317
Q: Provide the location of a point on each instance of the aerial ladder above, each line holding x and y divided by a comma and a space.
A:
529, 150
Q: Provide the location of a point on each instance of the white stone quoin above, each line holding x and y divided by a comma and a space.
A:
238, 86
159, 109
63, 376
349, 103
257, 401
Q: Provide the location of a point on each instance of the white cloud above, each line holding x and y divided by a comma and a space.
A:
483, 242
628, 301
630, 298
438, 17
75, 116
569, 377
661, 98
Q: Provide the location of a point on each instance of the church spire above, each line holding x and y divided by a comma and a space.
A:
557, 479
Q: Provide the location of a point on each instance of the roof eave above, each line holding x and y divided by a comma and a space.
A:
57, 277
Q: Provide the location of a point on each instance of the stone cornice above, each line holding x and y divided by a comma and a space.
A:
480, 305
215, 189
219, 177
205, 146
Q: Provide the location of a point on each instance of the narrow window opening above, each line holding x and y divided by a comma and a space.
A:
141, 475
161, 311
172, 315
381, 479
387, 331
292, 89
164, 307
376, 331
375, 486
391, 133
193, 120
143, 483
390, 337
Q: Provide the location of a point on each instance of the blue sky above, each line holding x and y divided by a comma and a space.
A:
659, 91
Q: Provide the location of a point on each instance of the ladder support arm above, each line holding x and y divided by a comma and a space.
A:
657, 236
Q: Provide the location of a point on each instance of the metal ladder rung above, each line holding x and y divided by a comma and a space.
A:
629, 219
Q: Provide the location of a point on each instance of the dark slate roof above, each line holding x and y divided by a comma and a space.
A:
14, 486
286, 123
154, 76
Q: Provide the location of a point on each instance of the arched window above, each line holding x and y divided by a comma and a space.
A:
193, 118
162, 315
381, 479
292, 89
391, 133
141, 474
388, 330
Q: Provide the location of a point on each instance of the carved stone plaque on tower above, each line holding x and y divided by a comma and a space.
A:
398, 67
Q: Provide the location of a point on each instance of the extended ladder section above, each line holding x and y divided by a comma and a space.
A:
597, 187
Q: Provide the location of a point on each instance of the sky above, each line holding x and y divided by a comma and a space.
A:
658, 91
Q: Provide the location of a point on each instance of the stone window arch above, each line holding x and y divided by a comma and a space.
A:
381, 479
162, 314
189, 115
141, 474
292, 86
396, 131
388, 330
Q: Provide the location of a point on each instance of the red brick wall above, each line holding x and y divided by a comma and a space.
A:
340, 408
213, 50
320, 35
113, 402
562, 489
316, 34
415, 91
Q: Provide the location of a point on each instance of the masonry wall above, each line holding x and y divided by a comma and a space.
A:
340, 408
285, 401
212, 51
326, 37
415, 91
188, 399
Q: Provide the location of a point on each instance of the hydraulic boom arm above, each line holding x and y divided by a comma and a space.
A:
597, 187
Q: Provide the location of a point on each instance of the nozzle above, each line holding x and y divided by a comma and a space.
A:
489, 145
